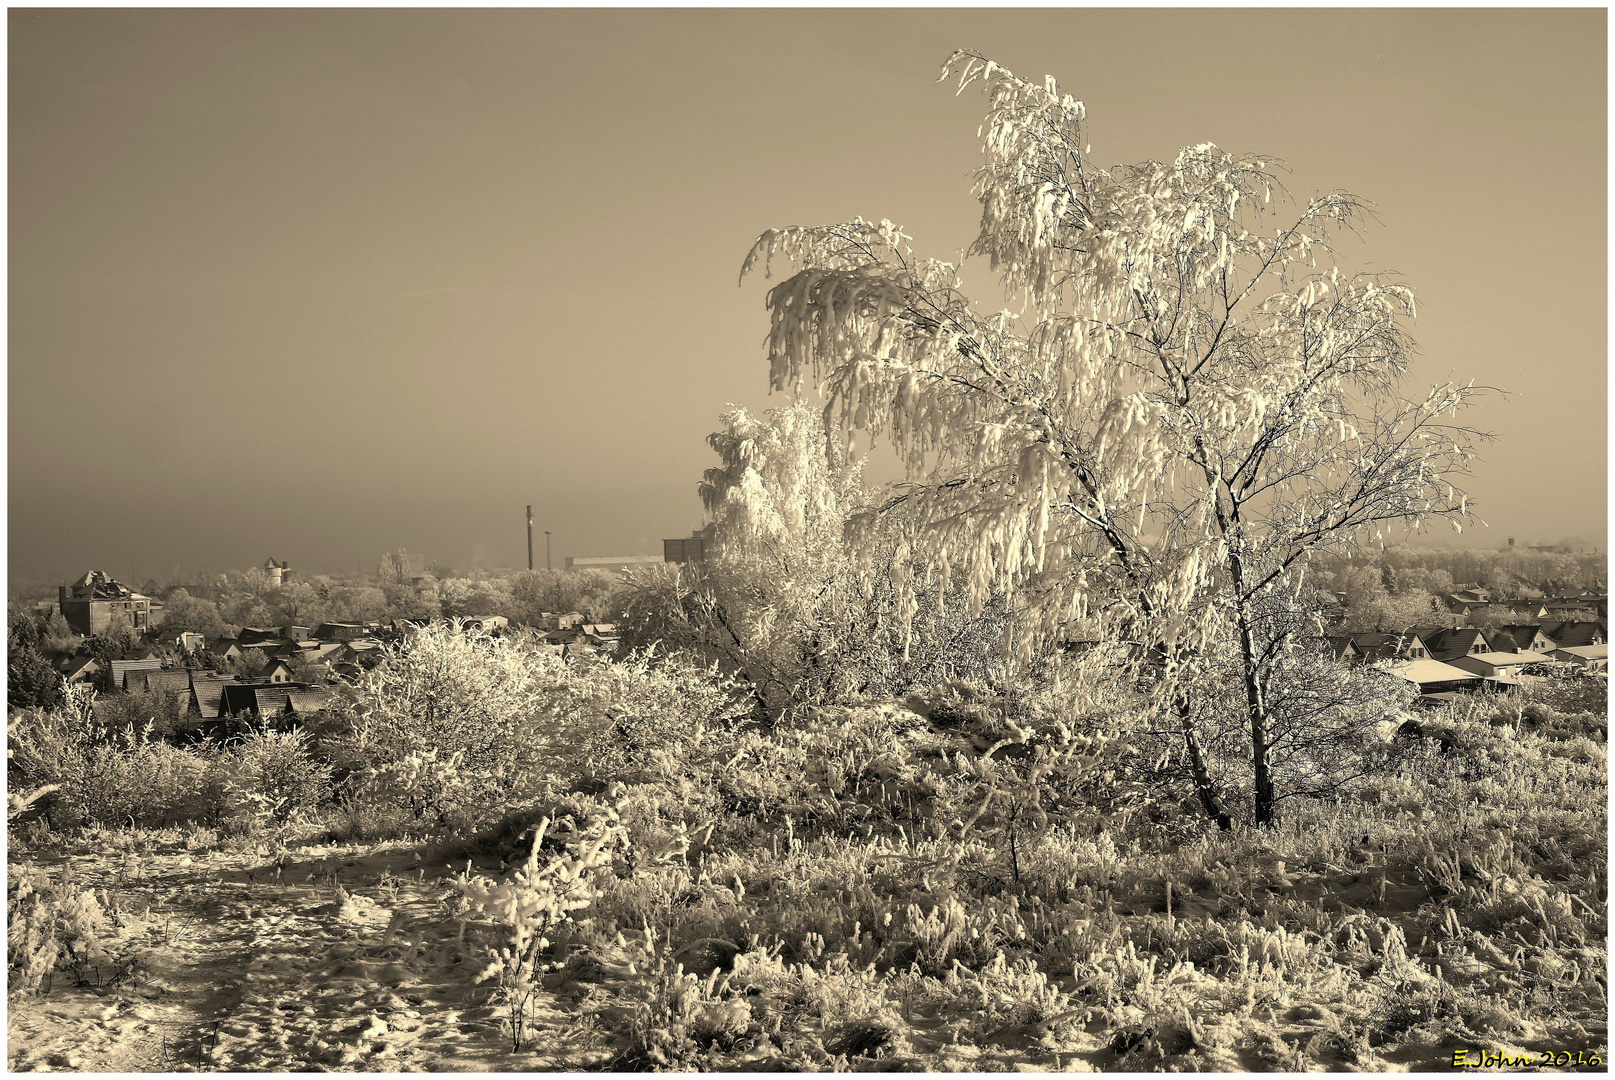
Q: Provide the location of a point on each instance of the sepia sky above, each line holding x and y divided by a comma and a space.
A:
321, 284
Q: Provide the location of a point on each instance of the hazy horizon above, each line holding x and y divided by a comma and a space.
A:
324, 284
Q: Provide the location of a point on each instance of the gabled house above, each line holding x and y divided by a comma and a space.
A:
1446, 645
79, 669
226, 649
1409, 645
171, 680
1567, 635
121, 668
1521, 637
1568, 611
1499, 665
261, 698
1342, 648
277, 671
207, 693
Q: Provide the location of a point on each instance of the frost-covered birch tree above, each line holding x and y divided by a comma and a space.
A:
1190, 401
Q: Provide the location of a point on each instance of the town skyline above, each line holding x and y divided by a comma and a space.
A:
327, 284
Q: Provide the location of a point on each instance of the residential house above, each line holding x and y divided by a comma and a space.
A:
226, 649
264, 699
189, 641
274, 699
258, 635
1521, 637
207, 693
1572, 610
1445, 645
80, 669
362, 651
339, 631
1501, 666
1410, 645
1573, 634
484, 622
90, 603
1434, 677
169, 680
277, 671
1594, 658
1340, 646
309, 699
121, 668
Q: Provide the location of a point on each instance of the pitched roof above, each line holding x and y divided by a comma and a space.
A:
1570, 634
1445, 644
208, 691
1515, 636
1375, 646
260, 697
1588, 652
120, 668
311, 699
1340, 644
174, 680
80, 667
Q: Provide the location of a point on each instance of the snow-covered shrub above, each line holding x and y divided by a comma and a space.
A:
650, 716
532, 902
50, 924
428, 783
273, 777
494, 701
135, 779
100, 774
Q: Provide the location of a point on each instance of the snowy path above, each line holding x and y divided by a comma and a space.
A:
348, 960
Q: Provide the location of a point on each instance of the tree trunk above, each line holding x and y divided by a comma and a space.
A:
1204, 786
1256, 711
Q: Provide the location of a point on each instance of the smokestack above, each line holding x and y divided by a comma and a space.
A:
529, 536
